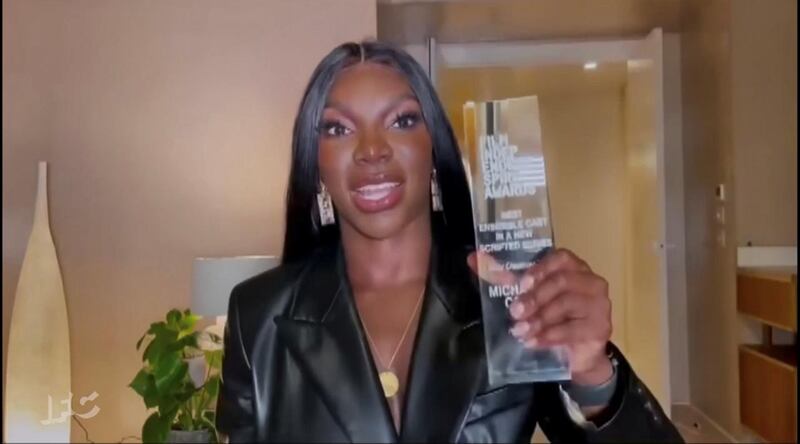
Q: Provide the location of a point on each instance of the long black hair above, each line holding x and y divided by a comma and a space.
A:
453, 227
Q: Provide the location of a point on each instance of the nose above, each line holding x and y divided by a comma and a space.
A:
372, 148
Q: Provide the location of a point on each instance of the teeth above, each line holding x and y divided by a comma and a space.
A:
377, 187
376, 191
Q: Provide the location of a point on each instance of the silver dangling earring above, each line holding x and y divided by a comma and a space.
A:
436, 195
325, 206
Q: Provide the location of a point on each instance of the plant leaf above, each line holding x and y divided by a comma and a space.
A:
212, 387
214, 359
151, 398
156, 326
188, 341
187, 322
160, 344
185, 392
170, 369
185, 420
168, 405
152, 354
139, 383
155, 429
139, 342
144, 384
173, 318
169, 418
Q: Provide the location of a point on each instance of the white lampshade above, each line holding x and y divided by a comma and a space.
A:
214, 278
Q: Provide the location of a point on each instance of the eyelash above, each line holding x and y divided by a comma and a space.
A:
331, 125
413, 116
406, 120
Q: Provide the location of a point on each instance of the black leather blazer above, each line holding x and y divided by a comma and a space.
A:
297, 368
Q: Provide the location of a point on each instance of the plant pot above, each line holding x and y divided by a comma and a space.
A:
183, 436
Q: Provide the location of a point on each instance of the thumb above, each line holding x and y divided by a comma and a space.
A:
488, 269
472, 262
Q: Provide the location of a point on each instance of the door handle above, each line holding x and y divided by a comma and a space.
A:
663, 246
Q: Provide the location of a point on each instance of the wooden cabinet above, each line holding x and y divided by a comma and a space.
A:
768, 372
768, 391
769, 295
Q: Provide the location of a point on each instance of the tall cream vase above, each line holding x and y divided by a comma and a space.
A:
37, 395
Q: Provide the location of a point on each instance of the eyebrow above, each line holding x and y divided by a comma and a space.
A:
343, 108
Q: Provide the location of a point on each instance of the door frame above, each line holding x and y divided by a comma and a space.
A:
671, 246
521, 53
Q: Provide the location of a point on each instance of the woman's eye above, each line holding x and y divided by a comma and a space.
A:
406, 120
335, 129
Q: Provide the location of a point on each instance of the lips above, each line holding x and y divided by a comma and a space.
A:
377, 194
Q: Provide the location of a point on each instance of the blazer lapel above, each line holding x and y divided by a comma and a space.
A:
448, 364
324, 337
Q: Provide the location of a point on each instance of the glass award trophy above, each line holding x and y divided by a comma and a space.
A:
512, 226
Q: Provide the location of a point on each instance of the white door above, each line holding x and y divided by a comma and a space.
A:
641, 316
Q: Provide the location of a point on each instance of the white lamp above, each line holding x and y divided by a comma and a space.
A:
214, 278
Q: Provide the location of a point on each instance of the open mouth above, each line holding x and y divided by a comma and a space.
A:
380, 196
376, 192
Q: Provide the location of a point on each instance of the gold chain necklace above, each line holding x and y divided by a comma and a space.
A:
389, 381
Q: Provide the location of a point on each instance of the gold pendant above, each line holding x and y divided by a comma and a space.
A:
390, 383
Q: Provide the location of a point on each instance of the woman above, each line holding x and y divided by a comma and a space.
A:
371, 329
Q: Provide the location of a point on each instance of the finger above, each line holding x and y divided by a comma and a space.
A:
571, 332
563, 309
558, 260
472, 262
557, 284
544, 291
579, 331
553, 262
566, 307
489, 269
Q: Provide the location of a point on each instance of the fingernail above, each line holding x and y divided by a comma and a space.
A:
526, 283
519, 329
516, 309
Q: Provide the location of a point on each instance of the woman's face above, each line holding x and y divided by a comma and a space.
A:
375, 152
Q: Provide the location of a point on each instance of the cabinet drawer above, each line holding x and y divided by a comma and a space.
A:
768, 391
770, 298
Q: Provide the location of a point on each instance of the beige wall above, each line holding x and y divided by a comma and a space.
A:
739, 70
471, 20
764, 99
675, 219
708, 160
586, 165
167, 129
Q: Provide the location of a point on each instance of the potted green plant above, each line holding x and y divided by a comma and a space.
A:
183, 404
